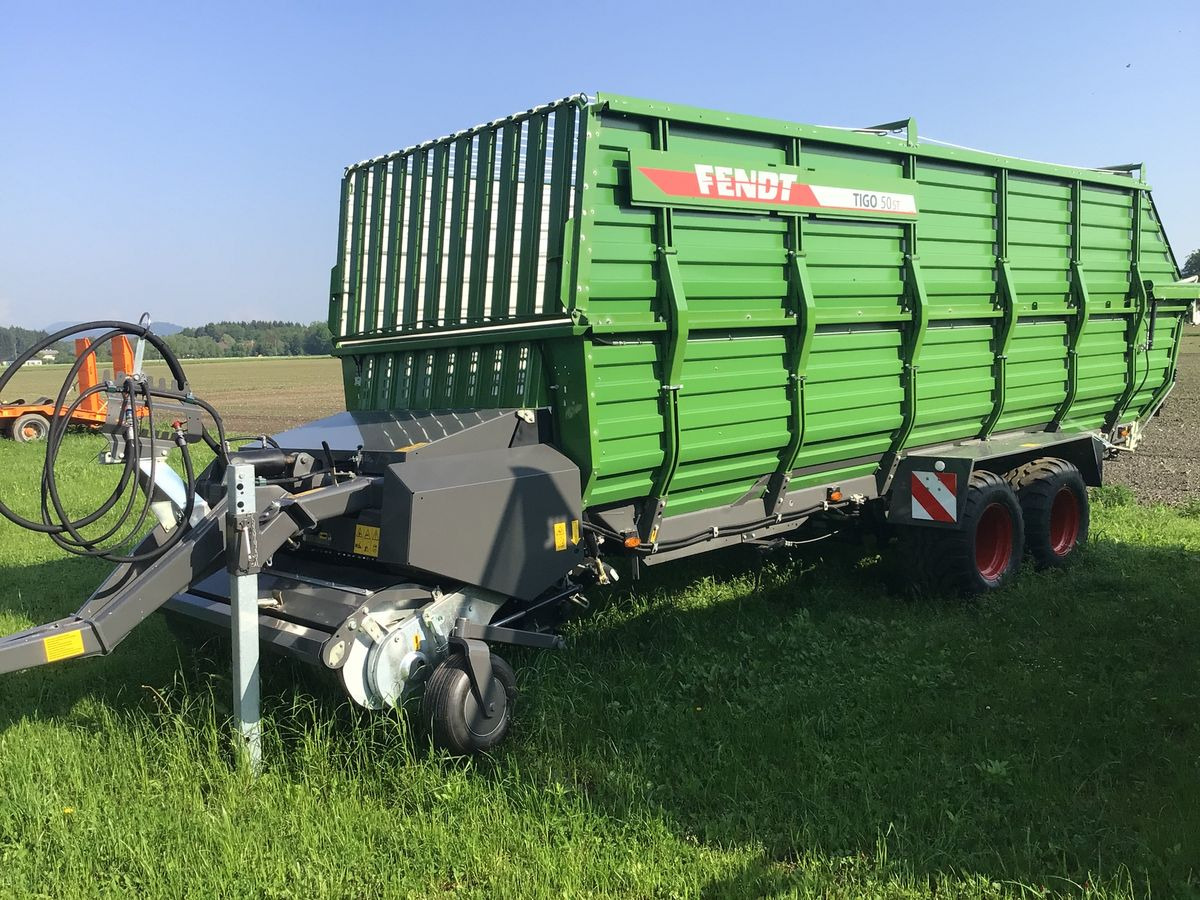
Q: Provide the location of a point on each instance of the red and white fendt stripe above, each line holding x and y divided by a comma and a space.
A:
773, 188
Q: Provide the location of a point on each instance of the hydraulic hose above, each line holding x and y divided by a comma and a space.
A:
136, 394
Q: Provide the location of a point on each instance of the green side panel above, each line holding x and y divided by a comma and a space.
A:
622, 286
956, 384
733, 418
1101, 372
958, 241
626, 427
1039, 240
1037, 373
853, 395
514, 264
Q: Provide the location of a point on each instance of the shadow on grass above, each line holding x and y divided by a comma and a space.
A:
1047, 732
148, 663
796, 708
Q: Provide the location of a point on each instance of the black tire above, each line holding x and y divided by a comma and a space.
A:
983, 554
30, 427
1054, 505
455, 721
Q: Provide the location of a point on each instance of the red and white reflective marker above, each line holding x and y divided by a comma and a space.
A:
934, 496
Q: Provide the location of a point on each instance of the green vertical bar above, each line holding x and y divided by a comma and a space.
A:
918, 299
369, 318
558, 208
395, 245
416, 232
436, 215
510, 149
493, 376
674, 310
533, 375
1007, 297
353, 298
337, 296
1080, 296
481, 229
456, 263
462, 378
440, 389
531, 215
802, 307
402, 393
578, 283
509, 360
1140, 299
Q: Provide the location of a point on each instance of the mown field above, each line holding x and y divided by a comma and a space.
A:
733, 726
253, 395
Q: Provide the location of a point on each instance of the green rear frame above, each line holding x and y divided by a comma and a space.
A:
697, 356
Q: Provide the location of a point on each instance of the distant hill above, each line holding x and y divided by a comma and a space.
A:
161, 328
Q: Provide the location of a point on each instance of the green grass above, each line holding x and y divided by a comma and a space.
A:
730, 726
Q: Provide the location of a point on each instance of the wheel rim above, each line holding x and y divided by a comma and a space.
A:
1064, 522
477, 724
993, 541
32, 431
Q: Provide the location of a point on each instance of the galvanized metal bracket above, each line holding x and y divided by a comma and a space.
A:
242, 560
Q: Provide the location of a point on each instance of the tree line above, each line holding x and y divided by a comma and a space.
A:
14, 341
216, 340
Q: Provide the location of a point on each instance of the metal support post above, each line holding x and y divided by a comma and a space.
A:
241, 545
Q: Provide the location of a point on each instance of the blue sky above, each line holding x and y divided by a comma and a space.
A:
185, 158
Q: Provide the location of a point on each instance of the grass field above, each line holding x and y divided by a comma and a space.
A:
254, 395
730, 726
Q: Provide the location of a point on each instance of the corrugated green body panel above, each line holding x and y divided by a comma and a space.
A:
804, 304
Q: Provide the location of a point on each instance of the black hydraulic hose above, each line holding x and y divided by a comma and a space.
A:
77, 543
136, 394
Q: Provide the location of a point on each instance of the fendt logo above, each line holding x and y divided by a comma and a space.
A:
730, 184
739, 184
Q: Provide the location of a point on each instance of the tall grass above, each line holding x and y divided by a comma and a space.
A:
733, 726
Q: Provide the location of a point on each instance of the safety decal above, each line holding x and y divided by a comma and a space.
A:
935, 496
560, 535
366, 540
63, 646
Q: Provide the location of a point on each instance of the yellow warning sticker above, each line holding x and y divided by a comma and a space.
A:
366, 540
560, 535
575, 532
63, 646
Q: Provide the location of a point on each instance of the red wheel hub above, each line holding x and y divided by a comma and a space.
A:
994, 541
1064, 522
